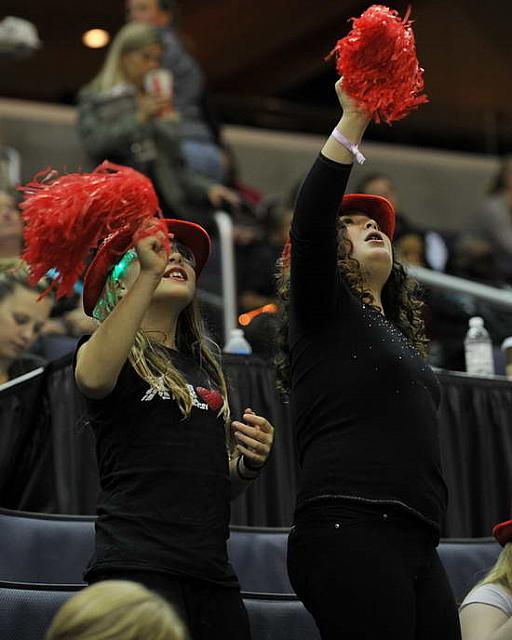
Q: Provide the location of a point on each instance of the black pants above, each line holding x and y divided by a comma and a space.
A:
208, 610
372, 573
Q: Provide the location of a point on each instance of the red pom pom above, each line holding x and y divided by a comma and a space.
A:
378, 62
68, 216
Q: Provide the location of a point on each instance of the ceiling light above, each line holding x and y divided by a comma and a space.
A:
96, 38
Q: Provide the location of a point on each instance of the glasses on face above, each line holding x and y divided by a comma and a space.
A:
184, 251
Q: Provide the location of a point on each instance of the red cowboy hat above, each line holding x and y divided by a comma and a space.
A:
376, 207
503, 532
115, 246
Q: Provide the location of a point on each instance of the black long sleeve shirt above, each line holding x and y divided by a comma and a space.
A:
364, 401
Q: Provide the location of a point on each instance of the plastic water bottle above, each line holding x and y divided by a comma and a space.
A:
478, 349
237, 343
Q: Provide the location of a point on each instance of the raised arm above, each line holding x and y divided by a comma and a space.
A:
313, 233
100, 360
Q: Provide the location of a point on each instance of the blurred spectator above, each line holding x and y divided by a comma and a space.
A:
473, 258
18, 38
10, 168
250, 196
67, 316
11, 230
116, 610
494, 218
412, 245
258, 249
120, 121
22, 317
257, 254
486, 612
199, 134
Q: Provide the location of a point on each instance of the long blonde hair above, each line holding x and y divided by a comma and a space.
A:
131, 37
116, 610
501, 572
151, 360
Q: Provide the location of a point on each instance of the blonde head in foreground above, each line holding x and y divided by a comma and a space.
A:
116, 610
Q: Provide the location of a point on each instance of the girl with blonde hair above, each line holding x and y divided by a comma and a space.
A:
155, 393
120, 119
22, 318
486, 612
116, 610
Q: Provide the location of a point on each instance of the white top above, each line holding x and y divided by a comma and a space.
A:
492, 594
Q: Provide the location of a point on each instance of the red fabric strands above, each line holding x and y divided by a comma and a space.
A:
66, 217
378, 62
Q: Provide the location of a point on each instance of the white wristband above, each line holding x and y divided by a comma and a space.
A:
350, 146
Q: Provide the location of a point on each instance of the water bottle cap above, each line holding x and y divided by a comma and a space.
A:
476, 321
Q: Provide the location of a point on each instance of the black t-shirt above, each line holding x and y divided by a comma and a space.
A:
165, 488
363, 400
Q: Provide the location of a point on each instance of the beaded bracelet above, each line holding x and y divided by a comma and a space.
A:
241, 475
252, 467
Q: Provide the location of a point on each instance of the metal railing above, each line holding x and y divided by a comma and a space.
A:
437, 280
228, 271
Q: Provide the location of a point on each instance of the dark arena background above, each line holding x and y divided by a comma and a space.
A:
264, 94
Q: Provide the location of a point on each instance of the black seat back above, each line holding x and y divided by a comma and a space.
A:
26, 610
259, 558
44, 548
466, 561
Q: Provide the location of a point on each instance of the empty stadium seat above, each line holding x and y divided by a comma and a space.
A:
259, 558
466, 561
40, 548
26, 610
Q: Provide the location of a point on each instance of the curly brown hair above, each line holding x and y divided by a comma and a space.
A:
400, 298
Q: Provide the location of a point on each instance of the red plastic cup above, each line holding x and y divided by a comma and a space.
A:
160, 82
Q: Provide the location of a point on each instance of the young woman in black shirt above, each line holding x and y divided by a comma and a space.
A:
371, 500
157, 402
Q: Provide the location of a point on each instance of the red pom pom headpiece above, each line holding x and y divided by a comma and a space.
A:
378, 62
66, 217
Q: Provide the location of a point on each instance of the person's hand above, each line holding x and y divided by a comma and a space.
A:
152, 105
255, 438
152, 254
349, 105
218, 194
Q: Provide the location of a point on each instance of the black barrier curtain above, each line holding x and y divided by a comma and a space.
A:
47, 459
476, 446
25, 449
269, 501
75, 471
